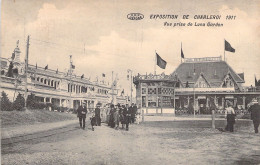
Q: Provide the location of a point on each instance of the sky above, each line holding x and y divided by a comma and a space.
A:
101, 39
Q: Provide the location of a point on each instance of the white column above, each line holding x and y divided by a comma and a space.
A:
244, 102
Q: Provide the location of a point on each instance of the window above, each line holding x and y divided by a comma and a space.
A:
151, 91
143, 101
159, 90
143, 90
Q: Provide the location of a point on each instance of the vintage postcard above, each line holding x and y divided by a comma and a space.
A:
130, 82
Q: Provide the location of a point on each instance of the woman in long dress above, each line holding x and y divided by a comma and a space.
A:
116, 116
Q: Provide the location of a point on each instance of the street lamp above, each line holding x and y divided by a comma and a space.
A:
194, 100
130, 71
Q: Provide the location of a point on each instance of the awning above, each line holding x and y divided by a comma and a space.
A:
201, 97
229, 97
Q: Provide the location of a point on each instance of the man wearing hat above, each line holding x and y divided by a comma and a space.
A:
127, 116
82, 111
97, 114
255, 114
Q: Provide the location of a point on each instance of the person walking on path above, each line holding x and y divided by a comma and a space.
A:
122, 118
81, 113
127, 116
111, 118
97, 114
230, 116
255, 114
116, 116
108, 114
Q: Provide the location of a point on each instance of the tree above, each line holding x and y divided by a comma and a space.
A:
19, 102
31, 102
10, 70
6, 105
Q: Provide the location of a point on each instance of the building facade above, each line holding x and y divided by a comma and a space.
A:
52, 86
203, 82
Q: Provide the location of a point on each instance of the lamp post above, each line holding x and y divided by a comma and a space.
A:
131, 71
194, 100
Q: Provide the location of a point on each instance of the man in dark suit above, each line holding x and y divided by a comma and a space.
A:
97, 114
131, 109
255, 114
127, 116
82, 111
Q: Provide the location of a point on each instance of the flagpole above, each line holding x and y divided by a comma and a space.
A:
155, 63
224, 51
70, 72
181, 50
112, 101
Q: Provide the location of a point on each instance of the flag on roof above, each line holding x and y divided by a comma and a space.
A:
182, 55
72, 66
82, 76
46, 67
228, 47
103, 75
160, 62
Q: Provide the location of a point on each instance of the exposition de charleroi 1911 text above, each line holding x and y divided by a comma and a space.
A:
195, 17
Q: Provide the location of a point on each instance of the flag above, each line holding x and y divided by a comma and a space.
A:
103, 75
57, 71
123, 92
256, 84
160, 62
182, 55
36, 66
46, 67
82, 76
72, 66
228, 47
128, 77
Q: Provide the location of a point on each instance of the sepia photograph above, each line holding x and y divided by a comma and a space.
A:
130, 82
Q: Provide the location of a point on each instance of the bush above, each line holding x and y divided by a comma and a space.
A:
19, 102
31, 102
6, 105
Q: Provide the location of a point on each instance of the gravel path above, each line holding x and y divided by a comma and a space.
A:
167, 142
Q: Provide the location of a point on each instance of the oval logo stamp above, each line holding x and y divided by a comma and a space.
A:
135, 16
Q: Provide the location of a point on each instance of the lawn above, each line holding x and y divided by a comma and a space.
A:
15, 118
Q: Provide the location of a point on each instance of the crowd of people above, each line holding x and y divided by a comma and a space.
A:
114, 115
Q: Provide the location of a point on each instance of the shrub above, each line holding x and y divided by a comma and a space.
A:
31, 102
19, 102
6, 105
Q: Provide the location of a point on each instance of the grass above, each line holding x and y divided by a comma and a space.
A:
15, 118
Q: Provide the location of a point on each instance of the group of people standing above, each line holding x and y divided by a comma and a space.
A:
82, 112
124, 114
254, 109
115, 114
